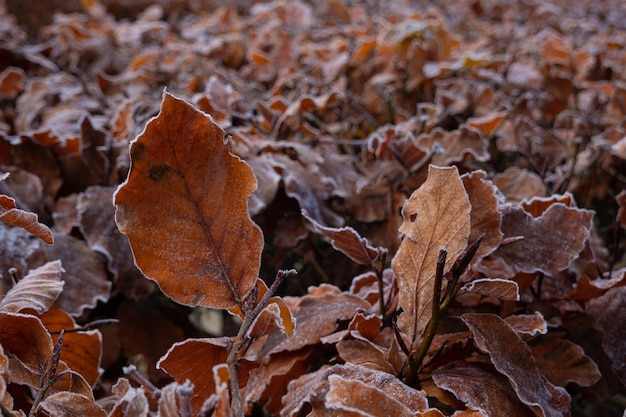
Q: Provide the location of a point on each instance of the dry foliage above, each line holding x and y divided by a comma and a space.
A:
438, 186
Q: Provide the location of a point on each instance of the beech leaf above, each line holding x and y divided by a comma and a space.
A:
436, 215
347, 241
184, 209
9, 213
481, 388
513, 358
37, 290
69, 404
503, 289
562, 361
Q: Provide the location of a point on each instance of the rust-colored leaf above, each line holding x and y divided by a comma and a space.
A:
193, 358
184, 209
29, 346
481, 388
436, 215
513, 358
348, 241
81, 351
69, 404
588, 289
37, 290
9, 213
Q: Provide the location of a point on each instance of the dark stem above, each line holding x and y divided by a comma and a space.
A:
236, 350
49, 377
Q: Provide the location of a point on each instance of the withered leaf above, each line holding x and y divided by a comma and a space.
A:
436, 215
348, 241
184, 209
29, 346
608, 311
481, 388
351, 395
190, 360
9, 213
503, 289
313, 388
513, 358
37, 290
550, 242
81, 351
69, 404
562, 361
131, 402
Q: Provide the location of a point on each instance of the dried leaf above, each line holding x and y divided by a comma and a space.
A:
561, 227
481, 388
10, 214
313, 388
348, 241
81, 351
351, 395
184, 210
562, 362
513, 358
37, 290
436, 215
608, 311
69, 404
29, 347
587, 289
132, 402
503, 289
190, 360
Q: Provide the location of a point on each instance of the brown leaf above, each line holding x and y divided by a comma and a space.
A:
351, 395
85, 277
184, 209
587, 289
481, 388
314, 387
503, 289
465, 143
12, 81
29, 347
10, 214
81, 351
608, 311
182, 362
562, 362
97, 225
436, 215
348, 241
316, 315
513, 358
37, 290
131, 402
485, 216
528, 324
69, 404
518, 184
561, 227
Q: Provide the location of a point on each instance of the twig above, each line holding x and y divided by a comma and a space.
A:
49, 377
94, 325
240, 341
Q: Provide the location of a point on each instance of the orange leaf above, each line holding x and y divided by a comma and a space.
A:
436, 215
184, 209
9, 213
348, 241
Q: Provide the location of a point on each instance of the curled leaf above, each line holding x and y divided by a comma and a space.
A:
37, 290
9, 213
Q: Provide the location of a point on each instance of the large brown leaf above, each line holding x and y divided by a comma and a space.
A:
436, 215
513, 358
184, 209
